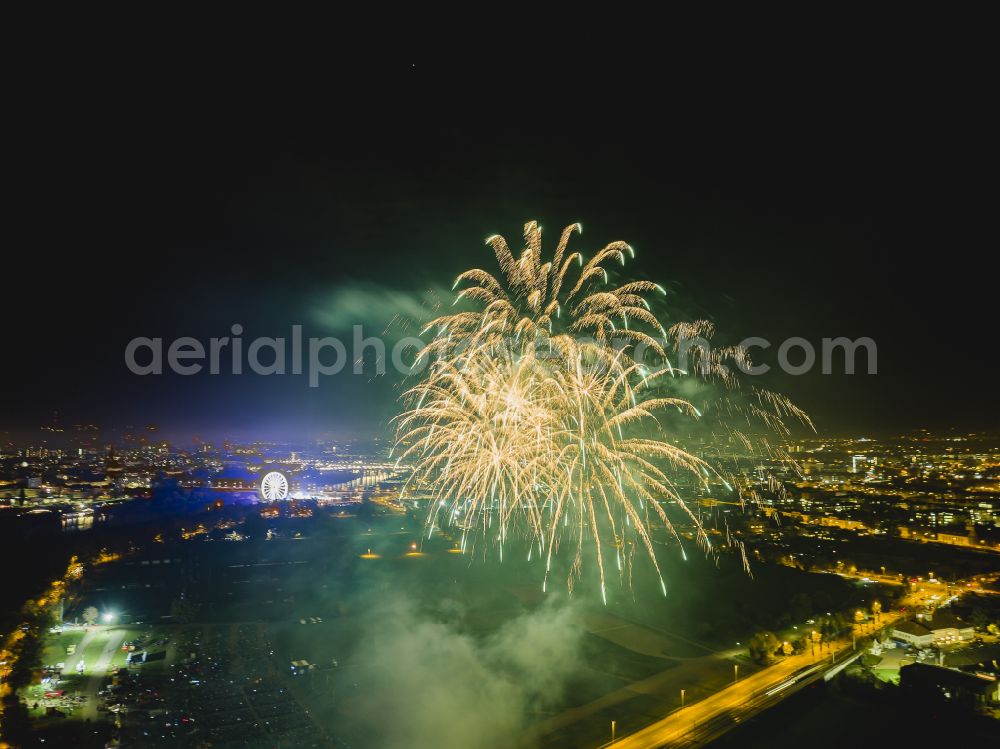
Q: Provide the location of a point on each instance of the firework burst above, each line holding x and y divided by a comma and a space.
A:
541, 417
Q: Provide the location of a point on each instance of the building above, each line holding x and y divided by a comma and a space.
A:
948, 628
942, 627
955, 538
913, 633
948, 683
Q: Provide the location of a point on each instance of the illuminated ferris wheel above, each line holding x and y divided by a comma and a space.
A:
274, 486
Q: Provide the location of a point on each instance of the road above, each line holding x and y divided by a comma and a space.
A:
703, 721
98, 670
725, 708
100, 644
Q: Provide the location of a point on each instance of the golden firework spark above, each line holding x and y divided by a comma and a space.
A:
535, 414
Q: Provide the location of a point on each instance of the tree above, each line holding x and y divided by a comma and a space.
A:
892, 595
762, 646
90, 614
978, 618
16, 726
833, 625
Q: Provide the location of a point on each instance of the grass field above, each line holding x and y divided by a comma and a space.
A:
99, 648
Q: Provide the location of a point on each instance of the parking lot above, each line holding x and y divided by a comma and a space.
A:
981, 651
76, 663
215, 683
224, 687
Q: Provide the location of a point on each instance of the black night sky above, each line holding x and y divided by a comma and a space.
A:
828, 203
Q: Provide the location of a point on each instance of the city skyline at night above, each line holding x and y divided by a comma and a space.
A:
625, 404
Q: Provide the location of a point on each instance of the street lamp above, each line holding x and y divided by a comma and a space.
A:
682, 698
736, 672
613, 723
108, 617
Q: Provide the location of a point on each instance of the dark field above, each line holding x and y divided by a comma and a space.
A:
391, 619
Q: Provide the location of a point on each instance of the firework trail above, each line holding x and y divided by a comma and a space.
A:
541, 417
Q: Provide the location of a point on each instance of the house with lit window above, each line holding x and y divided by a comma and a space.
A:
941, 627
947, 627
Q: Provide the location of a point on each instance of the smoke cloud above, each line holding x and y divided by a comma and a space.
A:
424, 683
382, 310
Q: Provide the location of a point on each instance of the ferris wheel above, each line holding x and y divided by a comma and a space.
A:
274, 486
